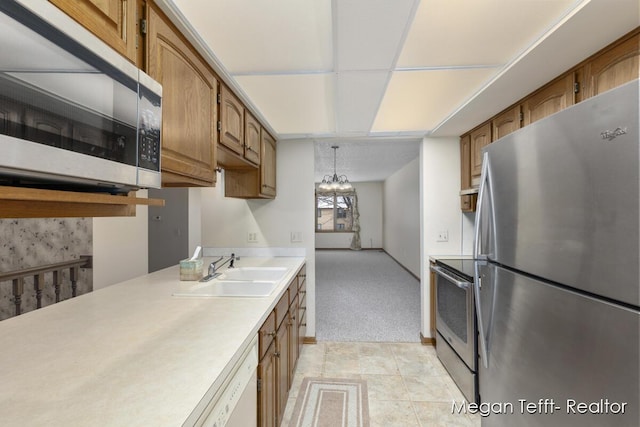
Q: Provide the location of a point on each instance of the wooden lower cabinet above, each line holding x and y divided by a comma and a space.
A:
279, 349
267, 388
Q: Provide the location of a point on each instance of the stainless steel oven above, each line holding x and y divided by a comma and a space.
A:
456, 341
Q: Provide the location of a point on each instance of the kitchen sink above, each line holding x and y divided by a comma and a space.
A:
229, 288
266, 274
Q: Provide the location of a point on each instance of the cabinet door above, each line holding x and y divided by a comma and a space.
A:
505, 123
613, 68
282, 369
302, 307
268, 165
251, 138
479, 138
554, 97
189, 92
465, 162
293, 338
114, 22
267, 390
231, 121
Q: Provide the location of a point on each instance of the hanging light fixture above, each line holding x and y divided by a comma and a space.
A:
335, 182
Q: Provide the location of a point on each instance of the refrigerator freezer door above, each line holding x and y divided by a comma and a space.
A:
564, 196
552, 351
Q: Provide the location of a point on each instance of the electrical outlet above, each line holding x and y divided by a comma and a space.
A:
252, 237
443, 236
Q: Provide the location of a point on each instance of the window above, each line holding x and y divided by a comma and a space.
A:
334, 212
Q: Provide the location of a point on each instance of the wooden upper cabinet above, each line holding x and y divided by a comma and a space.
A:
268, 165
479, 138
252, 138
113, 21
465, 162
231, 121
255, 183
505, 123
189, 93
551, 99
614, 67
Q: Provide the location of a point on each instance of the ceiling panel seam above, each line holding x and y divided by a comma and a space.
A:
407, 28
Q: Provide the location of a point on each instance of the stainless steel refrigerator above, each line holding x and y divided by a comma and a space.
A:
557, 281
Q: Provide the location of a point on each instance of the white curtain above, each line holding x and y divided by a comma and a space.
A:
355, 240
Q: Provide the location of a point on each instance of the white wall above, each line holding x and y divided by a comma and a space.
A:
370, 208
440, 210
402, 216
226, 221
120, 247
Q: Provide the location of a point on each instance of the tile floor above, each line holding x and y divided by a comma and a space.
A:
407, 384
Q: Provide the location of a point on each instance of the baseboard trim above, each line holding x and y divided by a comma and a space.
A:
427, 341
309, 340
349, 249
400, 264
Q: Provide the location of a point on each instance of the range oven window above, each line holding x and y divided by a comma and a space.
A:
452, 307
56, 92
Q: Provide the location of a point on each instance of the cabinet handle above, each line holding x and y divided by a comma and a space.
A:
270, 334
276, 354
303, 324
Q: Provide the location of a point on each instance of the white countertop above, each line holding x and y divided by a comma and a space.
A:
127, 355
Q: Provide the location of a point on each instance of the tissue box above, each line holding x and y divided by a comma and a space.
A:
191, 269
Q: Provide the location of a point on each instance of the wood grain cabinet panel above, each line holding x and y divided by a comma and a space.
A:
255, 183
113, 21
551, 99
189, 93
479, 138
251, 138
505, 123
268, 165
613, 67
231, 121
267, 389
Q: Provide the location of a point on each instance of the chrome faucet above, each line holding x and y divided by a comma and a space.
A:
213, 267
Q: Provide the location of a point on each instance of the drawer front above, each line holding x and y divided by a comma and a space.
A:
293, 291
266, 334
282, 308
302, 276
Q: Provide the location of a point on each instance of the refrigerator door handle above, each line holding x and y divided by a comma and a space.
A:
462, 284
485, 181
484, 353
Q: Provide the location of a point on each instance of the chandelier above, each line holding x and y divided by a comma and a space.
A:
335, 182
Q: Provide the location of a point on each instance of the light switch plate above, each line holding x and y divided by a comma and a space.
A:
296, 237
443, 236
252, 237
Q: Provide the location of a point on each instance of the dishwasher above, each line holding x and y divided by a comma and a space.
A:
235, 403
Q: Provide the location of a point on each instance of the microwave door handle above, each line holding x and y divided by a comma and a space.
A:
484, 182
462, 284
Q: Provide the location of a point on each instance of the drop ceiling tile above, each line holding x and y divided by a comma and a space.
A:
359, 95
477, 32
294, 104
419, 100
250, 36
370, 32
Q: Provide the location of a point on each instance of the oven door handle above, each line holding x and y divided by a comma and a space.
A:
462, 284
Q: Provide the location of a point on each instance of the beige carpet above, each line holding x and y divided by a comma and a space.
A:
331, 402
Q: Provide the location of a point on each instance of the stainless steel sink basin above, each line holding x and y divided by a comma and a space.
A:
229, 288
266, 274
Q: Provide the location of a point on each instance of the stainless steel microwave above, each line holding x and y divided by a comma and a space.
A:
74, 114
